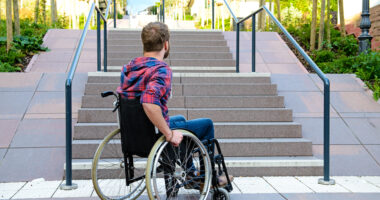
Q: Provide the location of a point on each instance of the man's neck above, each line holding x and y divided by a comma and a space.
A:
157, 55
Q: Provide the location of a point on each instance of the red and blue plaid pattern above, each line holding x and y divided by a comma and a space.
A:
149, 79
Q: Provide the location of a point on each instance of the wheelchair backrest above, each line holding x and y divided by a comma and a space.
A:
138, 134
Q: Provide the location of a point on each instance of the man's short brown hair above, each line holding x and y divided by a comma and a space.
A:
154, 35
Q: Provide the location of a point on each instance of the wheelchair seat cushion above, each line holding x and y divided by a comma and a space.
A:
138, 134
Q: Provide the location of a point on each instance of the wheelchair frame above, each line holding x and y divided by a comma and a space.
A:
129, 169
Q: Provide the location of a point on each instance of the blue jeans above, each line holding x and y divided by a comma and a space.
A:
203, 128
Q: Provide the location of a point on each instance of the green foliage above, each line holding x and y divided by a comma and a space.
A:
28, 44
365, 66
323, 56
6, 67
13, 57
347, 46
189, 18
301, 34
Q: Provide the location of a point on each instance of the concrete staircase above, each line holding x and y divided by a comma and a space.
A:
256, 132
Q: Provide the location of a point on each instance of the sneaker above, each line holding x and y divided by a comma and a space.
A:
222, 180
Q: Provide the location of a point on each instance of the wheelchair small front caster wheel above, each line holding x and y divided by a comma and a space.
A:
220, 194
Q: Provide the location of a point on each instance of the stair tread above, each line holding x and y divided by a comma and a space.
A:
230, 140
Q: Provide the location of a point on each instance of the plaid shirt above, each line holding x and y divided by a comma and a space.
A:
149, 79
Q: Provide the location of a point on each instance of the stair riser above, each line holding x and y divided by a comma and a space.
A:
85, 151
181, 62
173, 43
95, 101
221, 131
222, 80
172, 32
123, 55
239, 171
172, 37
179, 49
259, 115
198, 90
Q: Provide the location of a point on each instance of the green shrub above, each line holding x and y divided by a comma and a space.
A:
6, 67
322, 56
347, 46
28, 44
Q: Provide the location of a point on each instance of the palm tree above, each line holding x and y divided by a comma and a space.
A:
36, 11
328, 23
278, 10
16, 17
261, 16
53, 8
341, 14
321, 25
313, 25
9, 24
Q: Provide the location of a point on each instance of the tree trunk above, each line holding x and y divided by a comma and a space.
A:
322, 25
9, 24
43, 4
53, 8
328, 23
16, 17
261, 16
36, 11
1, 2
278, 10
313, 25
341, 16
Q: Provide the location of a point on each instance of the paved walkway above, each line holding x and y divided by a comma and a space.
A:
244, 188
33, 128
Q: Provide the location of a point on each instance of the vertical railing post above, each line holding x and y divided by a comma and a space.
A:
253, 43
237, 46
105, 47
69, 184
98, 46
213, 14
163, 11
114, 13
326, 136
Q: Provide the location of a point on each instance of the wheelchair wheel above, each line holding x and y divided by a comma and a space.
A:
220, 194
178, 172
108, 171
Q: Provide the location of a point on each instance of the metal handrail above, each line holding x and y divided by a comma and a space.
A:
326, 82
68, 85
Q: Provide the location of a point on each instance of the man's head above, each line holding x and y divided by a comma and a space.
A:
155, 38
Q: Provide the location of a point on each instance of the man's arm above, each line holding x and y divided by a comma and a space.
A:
154, 113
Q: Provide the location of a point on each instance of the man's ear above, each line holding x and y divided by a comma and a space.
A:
166, 46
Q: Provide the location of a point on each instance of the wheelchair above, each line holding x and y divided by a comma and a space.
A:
135, 157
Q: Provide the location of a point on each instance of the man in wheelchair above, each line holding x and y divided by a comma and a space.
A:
148, 78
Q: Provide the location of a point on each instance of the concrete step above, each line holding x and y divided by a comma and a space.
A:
189, 69
175, 55
246, 147
172, 31
105, 115
192, 89
177, 36
97, 131
223, 78
180, 62
237, 166
96, 101
172, 42
178, 49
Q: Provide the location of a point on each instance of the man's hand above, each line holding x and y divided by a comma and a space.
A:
176, 138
